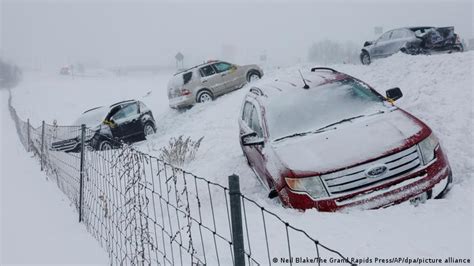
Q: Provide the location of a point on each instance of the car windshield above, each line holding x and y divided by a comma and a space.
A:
303, 111
92, 117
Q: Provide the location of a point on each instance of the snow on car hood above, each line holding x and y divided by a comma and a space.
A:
350, 143
93, 117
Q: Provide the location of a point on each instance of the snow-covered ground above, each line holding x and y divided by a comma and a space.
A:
438, 89
38, 224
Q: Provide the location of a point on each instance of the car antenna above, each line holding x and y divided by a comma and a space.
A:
306, 86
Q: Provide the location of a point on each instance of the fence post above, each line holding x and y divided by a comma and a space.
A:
42, 146
81, 171
236, 217
28, 135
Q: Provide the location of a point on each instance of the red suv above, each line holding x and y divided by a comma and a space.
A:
329, 141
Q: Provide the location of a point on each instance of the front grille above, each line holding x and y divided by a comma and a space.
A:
354, 178
64, 145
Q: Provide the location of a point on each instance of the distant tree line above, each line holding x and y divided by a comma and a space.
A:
332, 52
10, 75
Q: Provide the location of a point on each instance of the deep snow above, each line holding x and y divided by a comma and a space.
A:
438, 89
38, 224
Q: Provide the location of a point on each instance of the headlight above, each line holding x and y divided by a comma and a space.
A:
427, 148
311, 185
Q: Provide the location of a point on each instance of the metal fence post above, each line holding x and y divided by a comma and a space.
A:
28, 135
81, 171
42, 146
236, 217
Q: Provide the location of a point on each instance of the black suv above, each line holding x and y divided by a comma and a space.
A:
127, 121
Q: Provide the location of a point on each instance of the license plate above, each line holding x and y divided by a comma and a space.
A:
419, 199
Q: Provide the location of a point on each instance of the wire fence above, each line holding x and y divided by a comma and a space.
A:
144, 211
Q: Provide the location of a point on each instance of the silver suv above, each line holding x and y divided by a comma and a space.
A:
203, 83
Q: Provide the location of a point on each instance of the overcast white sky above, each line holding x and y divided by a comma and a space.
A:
151, 32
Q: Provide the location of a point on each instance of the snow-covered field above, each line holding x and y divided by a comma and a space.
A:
438, 89
38, 224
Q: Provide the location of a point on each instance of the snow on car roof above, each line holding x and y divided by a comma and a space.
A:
294, 81
122, 102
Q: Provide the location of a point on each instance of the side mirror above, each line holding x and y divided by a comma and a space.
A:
251, 139
394, 94
367, 43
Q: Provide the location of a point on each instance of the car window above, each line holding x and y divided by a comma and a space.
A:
406, 33
125, 112
255, 122
207, 71
399, 34
246, 113
187, 77
222, 66
385, 36
396, 34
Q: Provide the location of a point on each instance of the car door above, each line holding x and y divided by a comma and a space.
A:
397, 41
127, 122
230, 75
380, 46
252, 122
211, 80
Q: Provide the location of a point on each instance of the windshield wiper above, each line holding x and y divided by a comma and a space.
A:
322, 129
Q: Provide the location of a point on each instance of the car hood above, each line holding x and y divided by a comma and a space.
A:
351, 143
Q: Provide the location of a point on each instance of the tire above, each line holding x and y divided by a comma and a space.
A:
148, 129
253, 76
365, 58
204, 96
105, 145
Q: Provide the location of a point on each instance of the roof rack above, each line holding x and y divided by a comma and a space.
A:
92, 109
324, 68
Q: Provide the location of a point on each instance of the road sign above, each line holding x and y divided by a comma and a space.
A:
179, 57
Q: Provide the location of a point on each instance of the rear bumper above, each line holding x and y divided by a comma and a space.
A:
181, 101
432, 178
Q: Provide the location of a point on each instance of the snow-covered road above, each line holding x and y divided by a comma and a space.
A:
438, 89
38, 223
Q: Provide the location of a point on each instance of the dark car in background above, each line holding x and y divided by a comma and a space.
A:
127, 121
412, 40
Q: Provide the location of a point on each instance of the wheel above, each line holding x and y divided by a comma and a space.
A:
105, 145
253, 76
204, 97
148, 130
365, 58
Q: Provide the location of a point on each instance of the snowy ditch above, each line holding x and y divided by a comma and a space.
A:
437, 89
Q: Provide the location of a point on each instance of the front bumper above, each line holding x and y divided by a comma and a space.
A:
69, 145
432, 178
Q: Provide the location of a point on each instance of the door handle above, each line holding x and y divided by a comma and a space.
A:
204, 81
223, 75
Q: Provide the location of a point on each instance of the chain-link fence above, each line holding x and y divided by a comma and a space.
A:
144, 211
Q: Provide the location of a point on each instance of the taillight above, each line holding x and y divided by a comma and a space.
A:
185, 92
458, 40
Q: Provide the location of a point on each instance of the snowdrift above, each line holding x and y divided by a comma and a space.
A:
438, 89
